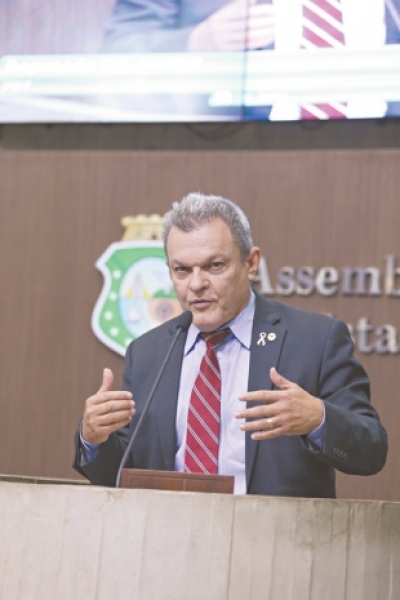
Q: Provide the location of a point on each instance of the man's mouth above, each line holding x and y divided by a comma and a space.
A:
200, 303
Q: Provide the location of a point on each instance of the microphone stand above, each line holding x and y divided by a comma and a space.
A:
183, 326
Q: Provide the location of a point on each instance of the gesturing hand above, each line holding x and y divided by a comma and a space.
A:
106, 411
240, 25
289, 410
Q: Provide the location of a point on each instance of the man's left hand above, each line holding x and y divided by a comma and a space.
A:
289, 410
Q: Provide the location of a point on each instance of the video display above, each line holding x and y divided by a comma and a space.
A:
185, 60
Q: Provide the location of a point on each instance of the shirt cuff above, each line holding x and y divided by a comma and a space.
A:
88, 451
315, 439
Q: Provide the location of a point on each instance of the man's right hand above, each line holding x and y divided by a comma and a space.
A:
106, 411
239, 25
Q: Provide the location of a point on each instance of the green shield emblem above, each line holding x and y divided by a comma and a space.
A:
137, 294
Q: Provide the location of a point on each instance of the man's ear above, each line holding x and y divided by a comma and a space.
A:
253, 260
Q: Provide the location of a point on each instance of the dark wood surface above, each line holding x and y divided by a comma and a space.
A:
147, 479
61, 209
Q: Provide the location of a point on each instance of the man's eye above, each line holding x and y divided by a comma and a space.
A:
216, 265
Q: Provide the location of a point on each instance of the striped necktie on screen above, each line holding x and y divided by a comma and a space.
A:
322, 27
203, 423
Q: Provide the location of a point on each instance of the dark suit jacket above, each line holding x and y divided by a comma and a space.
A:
155, 25
311, 349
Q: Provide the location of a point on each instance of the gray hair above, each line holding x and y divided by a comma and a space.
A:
196, 209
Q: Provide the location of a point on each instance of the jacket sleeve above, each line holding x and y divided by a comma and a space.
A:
146, 26
354, 439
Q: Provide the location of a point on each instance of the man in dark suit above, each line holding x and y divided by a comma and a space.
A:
208, 26
294, 401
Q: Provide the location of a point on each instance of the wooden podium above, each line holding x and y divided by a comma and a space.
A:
146, 479
86, 542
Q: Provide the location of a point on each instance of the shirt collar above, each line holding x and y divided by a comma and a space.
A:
241, 327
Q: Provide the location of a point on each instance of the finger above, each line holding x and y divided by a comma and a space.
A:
259, 38
116, 425
264, 429
112, 406
240, 27
268, 396
240, 39
112, 419
279, 380
266, 424
258, 412
268, 434
105, 397
100, 433
108, 381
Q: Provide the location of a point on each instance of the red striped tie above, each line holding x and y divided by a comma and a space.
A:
203, 424
322, 22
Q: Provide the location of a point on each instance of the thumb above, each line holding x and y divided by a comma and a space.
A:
108, 381
279, 380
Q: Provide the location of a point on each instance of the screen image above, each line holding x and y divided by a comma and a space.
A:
185, 60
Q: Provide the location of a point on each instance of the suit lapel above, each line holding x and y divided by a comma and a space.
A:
166, 395
266, 345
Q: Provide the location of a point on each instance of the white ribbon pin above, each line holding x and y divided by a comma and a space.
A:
261, 340
270, 337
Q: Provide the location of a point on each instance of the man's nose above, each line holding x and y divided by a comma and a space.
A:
198, 280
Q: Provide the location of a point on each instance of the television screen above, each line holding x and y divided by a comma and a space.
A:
185, 60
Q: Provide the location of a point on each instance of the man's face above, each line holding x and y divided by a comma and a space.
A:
210, 279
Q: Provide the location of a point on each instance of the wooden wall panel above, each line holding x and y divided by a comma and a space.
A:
56, 27
60, 210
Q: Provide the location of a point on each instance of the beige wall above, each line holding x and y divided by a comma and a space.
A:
61, 209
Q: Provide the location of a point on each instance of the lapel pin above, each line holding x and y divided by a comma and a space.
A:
271, 337
261, 339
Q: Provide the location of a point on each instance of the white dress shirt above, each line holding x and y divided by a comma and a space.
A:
234, 360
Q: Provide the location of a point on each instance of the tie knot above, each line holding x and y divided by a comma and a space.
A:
214, 338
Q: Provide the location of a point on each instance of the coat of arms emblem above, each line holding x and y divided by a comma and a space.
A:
137, 293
